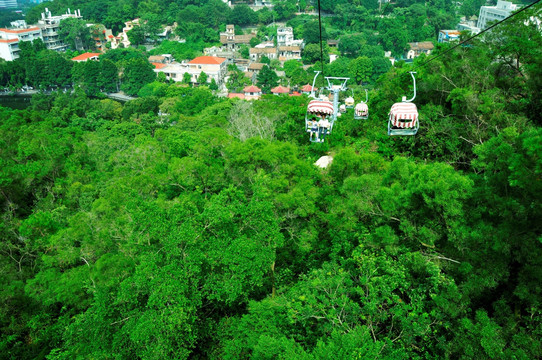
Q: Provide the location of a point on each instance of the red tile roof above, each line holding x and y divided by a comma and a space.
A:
85, 56
159, 65
252, 89
236, 95
280, 90
208, 60
308, 88
20, 30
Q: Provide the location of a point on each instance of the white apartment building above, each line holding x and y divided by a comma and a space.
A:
49, 28
285, 37
501, 11
10, 38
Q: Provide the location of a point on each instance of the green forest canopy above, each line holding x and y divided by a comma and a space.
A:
129, 234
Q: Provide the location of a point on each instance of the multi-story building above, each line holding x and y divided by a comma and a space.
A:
7, 4
285, 37
10, 38
49, 28
214, 67
501, 11
232, 41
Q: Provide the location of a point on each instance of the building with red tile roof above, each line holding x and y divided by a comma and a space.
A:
280, 90
207, 60
86, 57
252, 92
158, 66
214, 67
10, 38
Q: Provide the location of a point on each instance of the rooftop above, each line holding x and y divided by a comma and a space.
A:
86, 56
158, 65
256, 66
18, 31
252, 88
236, 95
422, 45
280, 90
208, 60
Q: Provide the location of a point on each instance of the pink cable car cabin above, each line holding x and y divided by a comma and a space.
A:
403, 119
404, 115
361, 111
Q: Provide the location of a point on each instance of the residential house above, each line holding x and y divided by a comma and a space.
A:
333, 43
307, 89
220, 52
448, 36
418, 48
242, 64
289, 53
123, 36
252, 92
162, 59
214, 67
10, 38
255, 68
280, 90
257, 53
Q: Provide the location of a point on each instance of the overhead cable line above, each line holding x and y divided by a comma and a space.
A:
480, 33
321, 46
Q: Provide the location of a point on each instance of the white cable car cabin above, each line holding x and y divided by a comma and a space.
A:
316, 121
349, 102
342, 108
403, 117
361, 111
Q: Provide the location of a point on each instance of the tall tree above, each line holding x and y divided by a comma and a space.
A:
137, 73
267, 79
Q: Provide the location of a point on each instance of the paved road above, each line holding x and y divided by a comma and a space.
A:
120, 96
114, 96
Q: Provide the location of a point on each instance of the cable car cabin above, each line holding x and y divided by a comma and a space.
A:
361, 111
403, 119
342, 108
316, 122
349, 102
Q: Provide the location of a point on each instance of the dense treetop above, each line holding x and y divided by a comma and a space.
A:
184, 225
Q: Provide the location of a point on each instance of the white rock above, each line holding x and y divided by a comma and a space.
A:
324, 161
